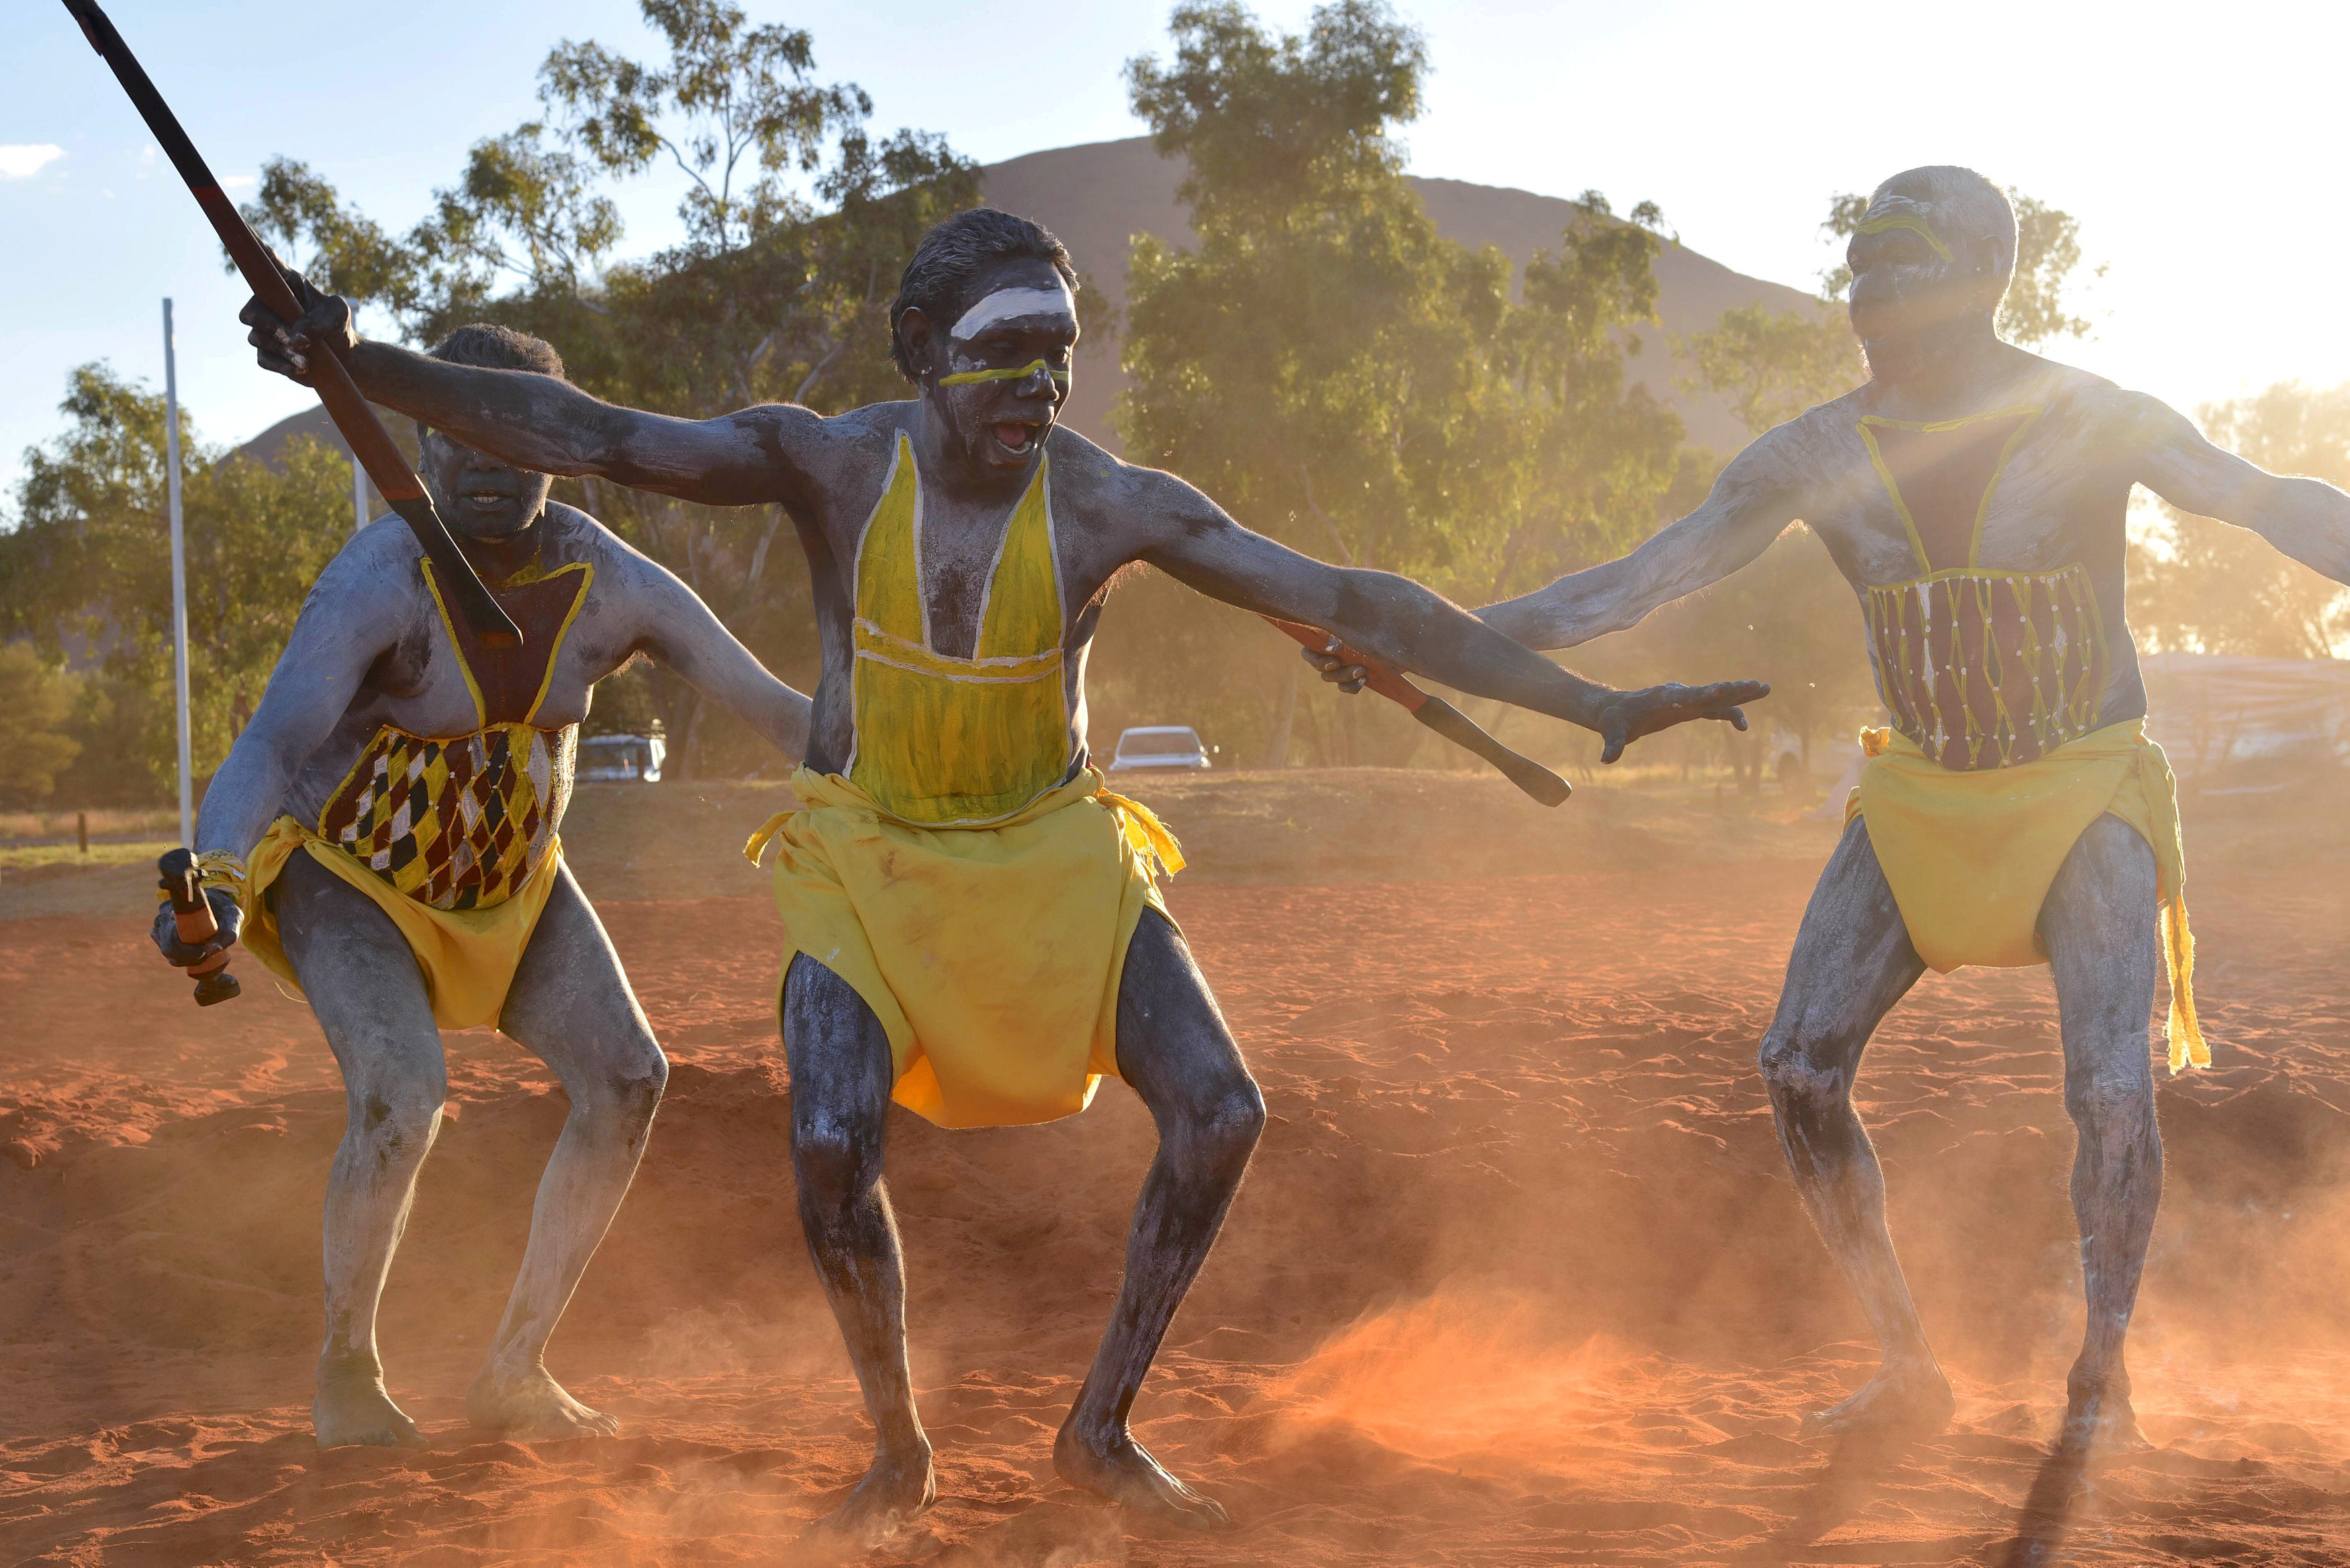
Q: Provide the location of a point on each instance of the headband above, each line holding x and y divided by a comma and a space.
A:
1008, 304
1915, 224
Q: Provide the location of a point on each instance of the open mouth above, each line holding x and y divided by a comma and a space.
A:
488, 500
1018, 438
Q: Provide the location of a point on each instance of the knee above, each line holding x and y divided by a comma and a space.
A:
1803, 1072
2111, 1101
397, 1115
628, 1084
837, 1163
1224, 1128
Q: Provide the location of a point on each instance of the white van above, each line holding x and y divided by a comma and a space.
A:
621, 759
1160, 746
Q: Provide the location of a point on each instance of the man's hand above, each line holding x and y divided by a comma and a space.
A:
285, 346
1329, 659
1628, 715
227, 914
1622, 719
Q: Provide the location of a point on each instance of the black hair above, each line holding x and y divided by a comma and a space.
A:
948, 262
497, 347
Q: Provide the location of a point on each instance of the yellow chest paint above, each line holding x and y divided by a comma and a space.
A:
941, 741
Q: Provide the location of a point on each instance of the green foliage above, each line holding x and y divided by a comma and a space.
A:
36, 700
2047, 252
779, 293
1774, 364
733, 99
2208, 587
1343, 377
90, 560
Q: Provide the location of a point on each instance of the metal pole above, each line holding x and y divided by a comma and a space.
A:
179, 579
359, 515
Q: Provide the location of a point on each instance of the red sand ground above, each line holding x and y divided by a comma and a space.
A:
1517, 1276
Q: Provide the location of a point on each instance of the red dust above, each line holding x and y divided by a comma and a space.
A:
1517, 1276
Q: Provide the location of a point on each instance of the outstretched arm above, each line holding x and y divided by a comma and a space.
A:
679, 631
544, 423
1750, 504
2307, 519
1400, 622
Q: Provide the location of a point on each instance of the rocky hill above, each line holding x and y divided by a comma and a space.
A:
1098, 196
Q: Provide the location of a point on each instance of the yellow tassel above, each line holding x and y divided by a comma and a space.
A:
756, 845
2187, 1044
1144, 831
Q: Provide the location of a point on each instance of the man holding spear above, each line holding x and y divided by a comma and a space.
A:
975, 928
398, 794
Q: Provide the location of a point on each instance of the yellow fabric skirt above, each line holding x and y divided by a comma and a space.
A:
1970, 856
992, 955
468, 956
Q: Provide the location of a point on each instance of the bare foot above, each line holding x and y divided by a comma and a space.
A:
352, 1410
1908, 1401
2099, 1422
529, 1406
894, 1491
1122, 1470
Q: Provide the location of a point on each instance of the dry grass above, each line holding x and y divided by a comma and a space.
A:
23, 857
105, 821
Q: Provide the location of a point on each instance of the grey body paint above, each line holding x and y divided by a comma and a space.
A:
1926, 322
976, 445
369, 650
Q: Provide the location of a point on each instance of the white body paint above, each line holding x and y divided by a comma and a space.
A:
1012, 304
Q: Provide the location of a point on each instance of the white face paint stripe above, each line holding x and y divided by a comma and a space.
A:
1008, 304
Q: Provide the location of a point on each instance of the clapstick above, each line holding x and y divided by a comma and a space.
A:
1438, 714
191, 912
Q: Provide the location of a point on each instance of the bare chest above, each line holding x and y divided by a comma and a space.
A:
2020, 490
440, 682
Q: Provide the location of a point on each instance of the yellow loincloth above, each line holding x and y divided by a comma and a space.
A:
992, 955
468, 956
1970, 856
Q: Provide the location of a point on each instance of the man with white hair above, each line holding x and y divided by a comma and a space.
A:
1974, 495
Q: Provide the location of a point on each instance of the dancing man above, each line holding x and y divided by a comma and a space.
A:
383, 835
975, 922
1975, 496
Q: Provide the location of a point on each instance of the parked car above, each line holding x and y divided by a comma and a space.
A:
621, 759
1160, 746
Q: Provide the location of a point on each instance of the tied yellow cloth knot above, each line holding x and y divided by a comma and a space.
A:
1970, 856
1151, 839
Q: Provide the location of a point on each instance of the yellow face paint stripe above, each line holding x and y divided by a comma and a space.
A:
1915, 224
1008, 373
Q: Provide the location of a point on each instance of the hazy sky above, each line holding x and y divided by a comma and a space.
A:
2201, 146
